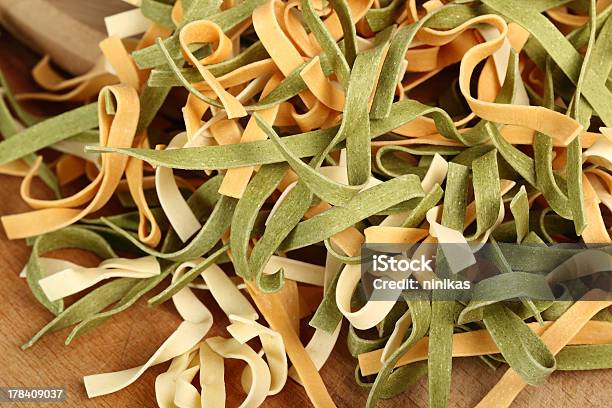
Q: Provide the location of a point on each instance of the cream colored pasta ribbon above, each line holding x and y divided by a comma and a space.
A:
397, 336
77, 278
243, 330
186, 336
49, 266
601, 152
211, 377
295, 270
348, 241
223, 289
321, 343
173, 388
126, 24
435, 175
166, 383
181, 217
259, 379
601, 182
198, 321
77, 149
453, 243
595, 231
232, 348
373, 312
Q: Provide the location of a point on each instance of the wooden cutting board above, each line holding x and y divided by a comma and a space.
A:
127, 340
68, 30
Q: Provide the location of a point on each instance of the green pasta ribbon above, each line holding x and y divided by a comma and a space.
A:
503, 187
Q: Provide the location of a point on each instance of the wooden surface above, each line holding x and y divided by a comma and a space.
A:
127, 340
68, 30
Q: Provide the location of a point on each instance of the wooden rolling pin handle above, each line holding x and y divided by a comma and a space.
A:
71, 44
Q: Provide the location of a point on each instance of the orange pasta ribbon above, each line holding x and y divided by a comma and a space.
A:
203, 31
115, 131
557, 336
287, 58
81, 88
114, 50
558, 126
480, 343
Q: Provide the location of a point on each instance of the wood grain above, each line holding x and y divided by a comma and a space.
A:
68, 30
129, 339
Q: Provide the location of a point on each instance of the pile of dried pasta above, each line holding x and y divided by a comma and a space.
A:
323, 125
